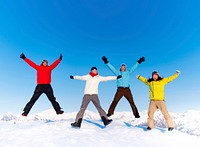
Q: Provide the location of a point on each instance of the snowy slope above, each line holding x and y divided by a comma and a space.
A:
46, 129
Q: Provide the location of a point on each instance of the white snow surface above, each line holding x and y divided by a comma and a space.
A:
46, 129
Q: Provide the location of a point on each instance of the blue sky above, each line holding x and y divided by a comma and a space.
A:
165, 33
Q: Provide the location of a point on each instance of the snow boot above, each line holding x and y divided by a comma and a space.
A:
109, 114
148, 128
59, 112
170, 129
77, 124
24, 114
137, 116
106, 121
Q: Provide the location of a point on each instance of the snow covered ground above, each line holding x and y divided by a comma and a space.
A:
46, 129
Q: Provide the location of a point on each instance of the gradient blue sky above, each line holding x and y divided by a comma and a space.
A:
165, 32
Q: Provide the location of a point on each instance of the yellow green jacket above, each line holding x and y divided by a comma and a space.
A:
156, 88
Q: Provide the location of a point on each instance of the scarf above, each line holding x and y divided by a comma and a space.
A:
93, 74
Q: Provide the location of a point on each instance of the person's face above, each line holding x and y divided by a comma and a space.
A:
45, 63
123, 68
155, 77
94, 71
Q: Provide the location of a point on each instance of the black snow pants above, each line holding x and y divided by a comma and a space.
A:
40, 89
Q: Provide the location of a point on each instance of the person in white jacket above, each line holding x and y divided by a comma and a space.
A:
91, 94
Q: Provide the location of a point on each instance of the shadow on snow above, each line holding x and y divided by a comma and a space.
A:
94, 123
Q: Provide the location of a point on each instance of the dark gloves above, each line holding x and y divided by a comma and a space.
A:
71, 77
61, 56
142, 59
118, 77
105, 60
22, 56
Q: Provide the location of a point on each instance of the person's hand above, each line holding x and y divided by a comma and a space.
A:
105, 60
178, 72
71, 77
22, 56
60, 56
142, 59
120, 76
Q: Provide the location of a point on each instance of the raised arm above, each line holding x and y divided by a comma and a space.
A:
173, 77
143, 79
142, 59
28, 61
53, 65
112, 68
134, 67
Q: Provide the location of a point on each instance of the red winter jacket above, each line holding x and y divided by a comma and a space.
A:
43, 72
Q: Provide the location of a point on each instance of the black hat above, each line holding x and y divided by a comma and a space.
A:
93, 68
44, 61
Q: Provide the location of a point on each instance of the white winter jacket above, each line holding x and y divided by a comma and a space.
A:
91, 86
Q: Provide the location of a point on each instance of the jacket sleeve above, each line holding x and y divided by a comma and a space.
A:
112, 68
134, 67
83, 78
108, 78
54, 64
144, 80
171, 78
31, 63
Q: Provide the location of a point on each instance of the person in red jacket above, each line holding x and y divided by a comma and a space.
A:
43, 84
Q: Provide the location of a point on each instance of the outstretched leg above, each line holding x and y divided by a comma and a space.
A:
163, 109
49, 92
129, 97
85, 102
102, 113
96, 103
152, 108
114, 103
34, 98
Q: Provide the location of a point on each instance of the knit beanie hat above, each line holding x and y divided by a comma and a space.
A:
154, 72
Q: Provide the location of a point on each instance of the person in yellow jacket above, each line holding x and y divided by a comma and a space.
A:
157, 99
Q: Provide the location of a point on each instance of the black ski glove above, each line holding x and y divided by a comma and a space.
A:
142, 59
105, 60
61, 56
22, 56
118, 77
71, 77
